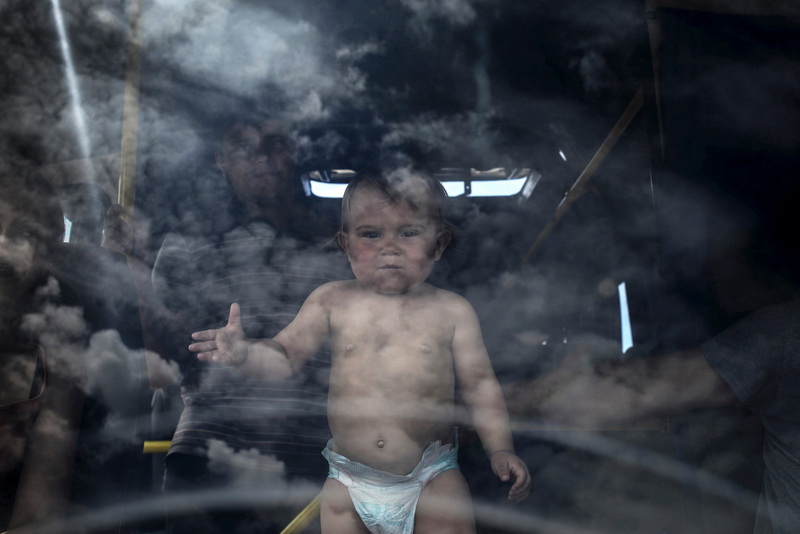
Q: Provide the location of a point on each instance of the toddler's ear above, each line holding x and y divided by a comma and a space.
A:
219, 159
442, 240
341, 237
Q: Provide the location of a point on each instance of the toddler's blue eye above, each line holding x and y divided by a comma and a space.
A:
371, 235
409, 233
242, 148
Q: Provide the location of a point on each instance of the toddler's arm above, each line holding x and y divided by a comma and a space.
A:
267, 359
484, 397
258, 358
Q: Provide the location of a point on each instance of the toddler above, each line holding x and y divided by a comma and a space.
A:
400, 348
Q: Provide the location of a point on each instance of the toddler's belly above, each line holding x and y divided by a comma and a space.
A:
392, 442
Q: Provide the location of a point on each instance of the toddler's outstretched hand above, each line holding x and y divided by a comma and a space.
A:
508, 466
226, 345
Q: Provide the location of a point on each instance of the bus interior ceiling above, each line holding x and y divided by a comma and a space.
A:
689, 215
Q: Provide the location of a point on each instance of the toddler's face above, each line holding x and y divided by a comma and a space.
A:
391, 248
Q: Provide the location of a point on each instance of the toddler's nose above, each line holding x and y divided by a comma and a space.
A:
390, 248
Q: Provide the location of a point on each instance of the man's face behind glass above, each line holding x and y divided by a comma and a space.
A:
258, 162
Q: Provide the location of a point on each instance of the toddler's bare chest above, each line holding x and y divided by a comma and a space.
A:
393, 345
418, 329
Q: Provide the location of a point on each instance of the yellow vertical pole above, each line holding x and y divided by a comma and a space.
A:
304, 518
130, 113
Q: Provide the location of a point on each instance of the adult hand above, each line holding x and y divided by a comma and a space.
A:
226, 345
508, 466
564, 396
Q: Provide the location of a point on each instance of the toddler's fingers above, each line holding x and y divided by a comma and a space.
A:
502, 471
204, 346
205, 335
521, 487
214, 356
235, 316
205, 356
518, 489
518, 496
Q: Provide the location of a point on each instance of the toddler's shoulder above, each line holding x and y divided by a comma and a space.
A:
334, 291
453, 301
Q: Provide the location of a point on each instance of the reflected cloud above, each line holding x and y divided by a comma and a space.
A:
457, 12
244, 50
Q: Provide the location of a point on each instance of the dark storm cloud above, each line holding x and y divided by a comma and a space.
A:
457, 12
450, 139
594, 71
100, 362
32, 93
38, 98
254, 469
242, 49
425, 13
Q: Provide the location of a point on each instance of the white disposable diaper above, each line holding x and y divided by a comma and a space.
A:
387, 502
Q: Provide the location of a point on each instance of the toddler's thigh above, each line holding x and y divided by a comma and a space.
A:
445, 506
336, 512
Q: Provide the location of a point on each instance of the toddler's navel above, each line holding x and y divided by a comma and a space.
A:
380, 443
349, 347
